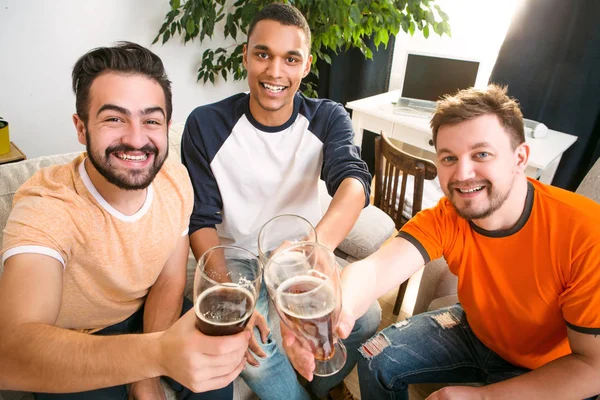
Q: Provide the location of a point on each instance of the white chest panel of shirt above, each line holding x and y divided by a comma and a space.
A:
264, 174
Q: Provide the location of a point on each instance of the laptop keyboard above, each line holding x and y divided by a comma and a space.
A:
415, 107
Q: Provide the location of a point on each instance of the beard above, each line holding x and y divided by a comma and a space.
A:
127, 180
469, 210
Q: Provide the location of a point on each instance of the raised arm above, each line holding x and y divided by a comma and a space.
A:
163, 307
362, 283
37, 356
366, 280
343, 211
345, 174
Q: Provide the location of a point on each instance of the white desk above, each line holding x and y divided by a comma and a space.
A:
376, 114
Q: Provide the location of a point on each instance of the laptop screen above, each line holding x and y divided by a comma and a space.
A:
430, 78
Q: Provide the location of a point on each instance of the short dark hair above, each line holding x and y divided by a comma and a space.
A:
285, 14
125, 57
471, 103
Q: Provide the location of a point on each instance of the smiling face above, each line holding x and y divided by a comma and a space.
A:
126, 132
277, 58
477, 165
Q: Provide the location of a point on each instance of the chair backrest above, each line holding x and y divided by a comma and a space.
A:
392, 168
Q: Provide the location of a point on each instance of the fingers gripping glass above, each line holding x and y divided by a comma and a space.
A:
226, 287
305, 281
282, 231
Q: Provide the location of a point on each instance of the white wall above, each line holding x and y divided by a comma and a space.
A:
41, 40
478, 30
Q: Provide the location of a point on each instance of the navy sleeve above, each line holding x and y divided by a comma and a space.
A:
196, 158
341, 158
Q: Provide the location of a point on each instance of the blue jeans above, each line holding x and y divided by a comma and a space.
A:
134, 324
276, 379
434, 347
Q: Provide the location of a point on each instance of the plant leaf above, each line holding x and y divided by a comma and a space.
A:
190, 26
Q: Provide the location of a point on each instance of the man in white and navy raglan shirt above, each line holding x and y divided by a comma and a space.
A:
255, 156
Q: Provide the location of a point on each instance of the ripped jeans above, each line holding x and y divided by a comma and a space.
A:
433, 347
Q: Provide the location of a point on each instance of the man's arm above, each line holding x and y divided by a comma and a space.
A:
37, 356
342, 213
366, 280
163, 307
164, 301
346, 176
362, 283
202, 240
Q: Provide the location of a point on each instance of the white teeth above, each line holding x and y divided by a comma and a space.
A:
476, 189
273, 88
127, 157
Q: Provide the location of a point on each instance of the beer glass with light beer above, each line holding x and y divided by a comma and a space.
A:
282, 231
226, 287
305, 280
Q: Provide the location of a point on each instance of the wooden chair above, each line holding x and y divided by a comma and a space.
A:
392, 168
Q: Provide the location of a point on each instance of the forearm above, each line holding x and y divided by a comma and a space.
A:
343, 211
366, 280
43, 358
202, 240
163, 306
569, 377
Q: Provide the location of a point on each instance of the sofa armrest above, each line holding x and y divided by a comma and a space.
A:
437, 283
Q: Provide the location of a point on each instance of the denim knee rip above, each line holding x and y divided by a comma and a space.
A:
446, 320
378, 343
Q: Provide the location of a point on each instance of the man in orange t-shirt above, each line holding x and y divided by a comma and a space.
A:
527, 257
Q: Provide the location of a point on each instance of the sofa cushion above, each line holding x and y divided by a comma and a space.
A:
13, 175
372, 228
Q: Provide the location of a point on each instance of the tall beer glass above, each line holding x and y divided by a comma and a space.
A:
226, 287
305, 281
282, 231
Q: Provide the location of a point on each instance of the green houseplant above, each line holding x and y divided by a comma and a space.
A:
336, 25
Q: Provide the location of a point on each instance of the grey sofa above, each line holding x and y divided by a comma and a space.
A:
370, 231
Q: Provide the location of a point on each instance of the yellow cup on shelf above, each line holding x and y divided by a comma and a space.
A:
4, 137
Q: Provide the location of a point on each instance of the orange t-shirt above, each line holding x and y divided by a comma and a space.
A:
522, 287
110, 260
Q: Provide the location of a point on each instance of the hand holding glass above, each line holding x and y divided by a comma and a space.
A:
226, 287
305, 283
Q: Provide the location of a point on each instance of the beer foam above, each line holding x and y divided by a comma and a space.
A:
305, 299
217, 322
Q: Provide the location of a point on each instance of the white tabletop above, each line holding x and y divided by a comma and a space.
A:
543, 151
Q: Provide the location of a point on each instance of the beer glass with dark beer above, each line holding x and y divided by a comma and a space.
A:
226, 287
305, 280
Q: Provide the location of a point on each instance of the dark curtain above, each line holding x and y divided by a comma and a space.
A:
351, 76
550, 61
